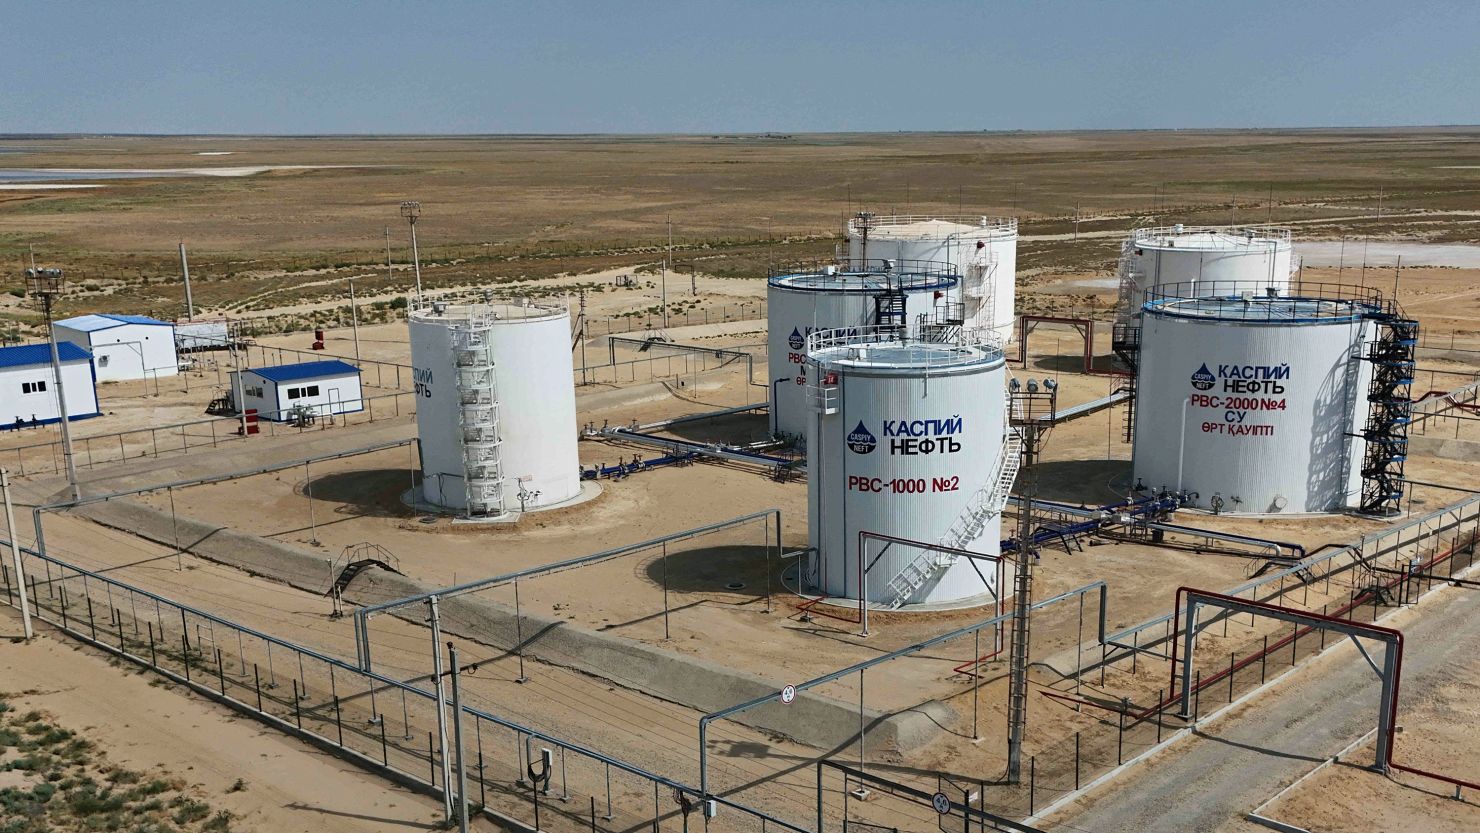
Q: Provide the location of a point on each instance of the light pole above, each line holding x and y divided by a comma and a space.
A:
47, 284
411, 209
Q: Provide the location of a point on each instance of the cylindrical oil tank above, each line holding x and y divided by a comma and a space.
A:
837, 294
905, 439
1207, 260
982, 250
496, 408
1254, 403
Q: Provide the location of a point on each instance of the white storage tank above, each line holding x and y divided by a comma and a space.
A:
1207, 260
837, 294
906, 438
496, 411
982, 250
1251, 401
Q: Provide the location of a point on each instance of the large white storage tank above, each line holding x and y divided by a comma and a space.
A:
1206, 260
838, 294
1252, 402
906, 438
982, 250
496, 412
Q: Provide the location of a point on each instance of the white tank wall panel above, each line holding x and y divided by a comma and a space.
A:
537, 409
794, 311
1256, 412
1223, 262
988, 272
892, 461
535, 393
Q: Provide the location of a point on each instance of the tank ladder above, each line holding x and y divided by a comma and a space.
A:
987, 503
1390, 411
1125, 342
889, 305
478, 417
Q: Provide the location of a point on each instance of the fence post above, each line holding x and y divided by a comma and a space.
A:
1032, 789
1076, 761
257, 685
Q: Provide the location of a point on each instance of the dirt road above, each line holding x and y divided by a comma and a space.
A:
1208, 784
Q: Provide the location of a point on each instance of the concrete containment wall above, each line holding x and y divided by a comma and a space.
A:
699, 684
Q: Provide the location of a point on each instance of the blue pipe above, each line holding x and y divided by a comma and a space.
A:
599, 472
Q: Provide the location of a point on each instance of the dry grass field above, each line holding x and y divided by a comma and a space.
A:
502, 208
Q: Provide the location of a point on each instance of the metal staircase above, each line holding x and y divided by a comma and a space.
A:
980, 291
889, 306
1129, 294
478, 416
1125, 342
986, 504
1390, 410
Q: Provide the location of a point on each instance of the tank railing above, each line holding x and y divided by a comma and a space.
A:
978, 222
985, 338
1252, 233
1350, 298
893, 273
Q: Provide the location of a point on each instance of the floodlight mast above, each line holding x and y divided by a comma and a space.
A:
411, 210
46, 284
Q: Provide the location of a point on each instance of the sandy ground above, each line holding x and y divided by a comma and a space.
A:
1437, 734
147, 725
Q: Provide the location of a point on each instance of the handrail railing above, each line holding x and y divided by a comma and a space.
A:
1250, 233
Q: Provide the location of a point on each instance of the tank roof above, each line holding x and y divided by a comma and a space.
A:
1279, 310
1211, 238
933, 226
873, 275
883, 349
487, 313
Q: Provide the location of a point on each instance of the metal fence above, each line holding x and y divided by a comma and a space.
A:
380, 723
121, 446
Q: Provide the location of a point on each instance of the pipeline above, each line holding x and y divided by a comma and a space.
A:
1277, 547
1122, 512
675, 446
637, 464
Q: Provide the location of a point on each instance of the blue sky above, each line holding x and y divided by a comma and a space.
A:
264, 66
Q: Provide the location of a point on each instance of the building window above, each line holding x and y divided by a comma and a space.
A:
294, 393
33, 387
311, 390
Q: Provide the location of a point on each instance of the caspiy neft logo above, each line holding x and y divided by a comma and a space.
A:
1203, 378
861, 440
795, 339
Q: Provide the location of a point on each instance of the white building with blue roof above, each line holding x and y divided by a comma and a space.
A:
28, 388
123, 346
322, 388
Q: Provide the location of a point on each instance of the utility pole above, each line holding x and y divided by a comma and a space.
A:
1017, 693
15, 554
185, 273
388, 271
663, 292
47, 284
411, 210
354, 318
